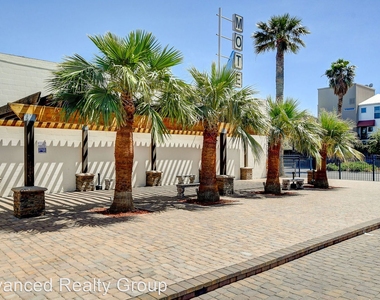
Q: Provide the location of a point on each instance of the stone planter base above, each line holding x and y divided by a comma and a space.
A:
246, 173
310, 174
225, 184
84, 182
28, 201
153, 178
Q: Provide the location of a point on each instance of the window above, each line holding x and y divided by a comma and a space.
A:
370, 129
352, 101
377, 112
363, 110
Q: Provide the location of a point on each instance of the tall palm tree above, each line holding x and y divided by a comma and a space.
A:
283, 34
295, 125
341, 78
130, 76
338, 141
218, 101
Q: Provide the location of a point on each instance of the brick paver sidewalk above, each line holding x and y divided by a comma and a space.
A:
349, 270
76, 253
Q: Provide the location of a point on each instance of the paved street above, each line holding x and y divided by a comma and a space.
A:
349, 270
77, 254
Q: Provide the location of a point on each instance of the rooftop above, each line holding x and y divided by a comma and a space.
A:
373, 100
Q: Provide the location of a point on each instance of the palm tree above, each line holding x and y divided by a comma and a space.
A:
338, 141
341, 78
283, 34
130, 76
373, 144
298, 127
218, 101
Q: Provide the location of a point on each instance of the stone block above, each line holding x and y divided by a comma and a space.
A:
28, 201
84, 182
246, 173
153, 178
225, 184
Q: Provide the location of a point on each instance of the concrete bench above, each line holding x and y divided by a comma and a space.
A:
182, 178
182, 186
287, 182
185, 181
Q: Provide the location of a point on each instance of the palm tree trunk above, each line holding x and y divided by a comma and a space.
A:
340, 103
124, 154
280, 94
208, 188
279, 75
272, 185
321, 180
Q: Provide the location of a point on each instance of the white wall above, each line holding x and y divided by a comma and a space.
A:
22, 76
259, 165
56, 168
179, 155
369, 114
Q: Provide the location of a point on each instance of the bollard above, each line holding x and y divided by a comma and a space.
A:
98, 187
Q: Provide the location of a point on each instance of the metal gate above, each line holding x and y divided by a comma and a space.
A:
297, 164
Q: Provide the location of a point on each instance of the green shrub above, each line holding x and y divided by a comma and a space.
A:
332, 167
351, 166
356, 166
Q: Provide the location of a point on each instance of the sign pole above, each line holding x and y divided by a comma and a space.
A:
85, 149
219, 37
29, 120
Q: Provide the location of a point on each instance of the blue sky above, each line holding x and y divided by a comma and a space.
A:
50, 30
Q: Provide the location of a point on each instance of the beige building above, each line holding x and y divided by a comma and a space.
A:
355, 95
22, 76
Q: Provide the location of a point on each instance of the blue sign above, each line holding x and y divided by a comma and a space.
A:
230, 60
41, 147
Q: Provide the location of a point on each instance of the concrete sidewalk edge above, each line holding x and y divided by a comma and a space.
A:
208, 282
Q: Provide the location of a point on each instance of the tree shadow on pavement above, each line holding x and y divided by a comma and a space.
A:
75, 209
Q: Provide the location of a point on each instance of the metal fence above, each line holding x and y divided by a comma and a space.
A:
369, 170
297, 164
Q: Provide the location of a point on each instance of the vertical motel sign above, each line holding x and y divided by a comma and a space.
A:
237, 45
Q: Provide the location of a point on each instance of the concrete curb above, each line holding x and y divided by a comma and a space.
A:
208, 282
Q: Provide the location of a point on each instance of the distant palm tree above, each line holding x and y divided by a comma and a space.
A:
341, 78
282, 34
338, 141
218, 101
295, 125
130, 76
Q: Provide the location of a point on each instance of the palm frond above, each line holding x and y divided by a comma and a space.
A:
297, 126
135, 65
341, 76
338, 136
158, 130
167, 58
174, 103
281, 32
